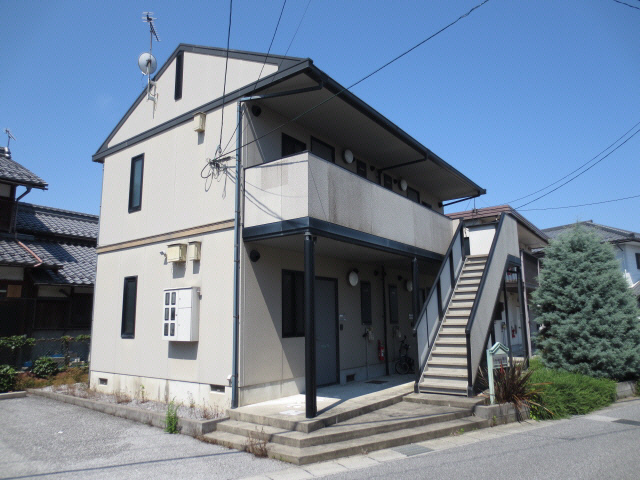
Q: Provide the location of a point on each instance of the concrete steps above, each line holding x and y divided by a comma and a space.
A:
419, 418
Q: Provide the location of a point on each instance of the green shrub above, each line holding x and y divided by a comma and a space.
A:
7, 378
44, 367
16, 342
564, 393
171, 420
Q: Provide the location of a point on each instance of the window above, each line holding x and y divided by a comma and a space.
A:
365, 303
292, 304
135, 183
291, 146
387, 181
638, 260
428, 205
361, 168
322, 150
177, 95
129, 307
413, 194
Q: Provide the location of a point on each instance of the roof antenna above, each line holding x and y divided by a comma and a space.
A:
9, 136
147, 62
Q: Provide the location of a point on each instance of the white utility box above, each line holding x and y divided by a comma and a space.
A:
181, 307
177, 252
193, 251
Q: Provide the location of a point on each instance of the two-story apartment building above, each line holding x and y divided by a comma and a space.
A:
281, 235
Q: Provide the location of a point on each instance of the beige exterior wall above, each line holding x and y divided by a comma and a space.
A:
304, 185
270, 148
12, 273
273, 366
203, 80
148, 356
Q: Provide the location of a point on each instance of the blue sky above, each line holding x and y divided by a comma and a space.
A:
515, 96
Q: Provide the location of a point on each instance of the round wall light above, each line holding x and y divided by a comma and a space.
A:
403, 185
347, 155
256, 110
409, 286
254, 256
353, 277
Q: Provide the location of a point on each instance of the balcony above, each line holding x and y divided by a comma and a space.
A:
530, 273
305, 186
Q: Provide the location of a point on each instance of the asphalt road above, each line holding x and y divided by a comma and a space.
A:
45, 439
41, 438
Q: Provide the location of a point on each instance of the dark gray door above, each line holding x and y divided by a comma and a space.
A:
326, 331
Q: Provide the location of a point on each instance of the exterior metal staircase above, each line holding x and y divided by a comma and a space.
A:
446, 369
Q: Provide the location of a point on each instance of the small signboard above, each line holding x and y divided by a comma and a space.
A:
496, 356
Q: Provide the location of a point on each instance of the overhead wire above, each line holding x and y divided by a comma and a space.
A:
579, 174
625, 3
580, 167
581, 205
224, 85
255, 85
344, 89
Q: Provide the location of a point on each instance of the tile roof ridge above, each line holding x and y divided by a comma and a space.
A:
88, 216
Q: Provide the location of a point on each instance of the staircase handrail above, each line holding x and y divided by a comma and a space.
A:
479, 295
422, 359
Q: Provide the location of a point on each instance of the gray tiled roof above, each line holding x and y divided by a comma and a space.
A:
15, 173
11, 253
37, 219
68, 264
608, 234
636, 289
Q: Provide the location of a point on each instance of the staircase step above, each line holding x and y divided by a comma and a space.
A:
453, 384
400, 416
464, 296
458, 351
458, 312
439, 361
462, 303
445, 400
457, 330
466, 290
443, 341
474, 281
303, 456
433, 371
455, 321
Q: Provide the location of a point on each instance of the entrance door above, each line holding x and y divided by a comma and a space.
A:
326, 320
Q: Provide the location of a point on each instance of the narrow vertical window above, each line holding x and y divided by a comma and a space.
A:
413, 195
638, 260
292, 304
135, 183
393, 304
129, 307
323, 150
387, 181
178, 90
291, 146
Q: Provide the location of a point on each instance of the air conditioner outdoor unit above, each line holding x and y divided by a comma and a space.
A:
177, 252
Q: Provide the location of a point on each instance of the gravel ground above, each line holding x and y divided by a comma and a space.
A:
42, 438
81, 390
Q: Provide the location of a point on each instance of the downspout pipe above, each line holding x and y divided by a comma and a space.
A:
236, 263
14, 220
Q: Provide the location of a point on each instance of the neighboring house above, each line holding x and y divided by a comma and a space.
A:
510, 326
206, 285
626, 245
47, 261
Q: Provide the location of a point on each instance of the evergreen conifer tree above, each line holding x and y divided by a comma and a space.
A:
589, 315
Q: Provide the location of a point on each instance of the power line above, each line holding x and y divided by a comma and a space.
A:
298, 28
584, 171
362, 79
581, 205
574, 171
624, 3
226, 63
255, 85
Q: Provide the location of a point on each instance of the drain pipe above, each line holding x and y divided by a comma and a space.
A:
236, 262
14, 220
384, 321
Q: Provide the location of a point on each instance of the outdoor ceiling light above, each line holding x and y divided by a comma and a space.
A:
409, 286
254, 255
347, 155
353, 278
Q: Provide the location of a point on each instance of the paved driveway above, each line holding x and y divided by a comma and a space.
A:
42, 438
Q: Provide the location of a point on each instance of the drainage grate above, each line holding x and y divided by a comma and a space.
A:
628, 422
412, 449
377, 382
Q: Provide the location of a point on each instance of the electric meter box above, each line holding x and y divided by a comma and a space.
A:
181, 307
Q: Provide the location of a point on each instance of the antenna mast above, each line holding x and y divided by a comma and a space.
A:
146, 61
9, 136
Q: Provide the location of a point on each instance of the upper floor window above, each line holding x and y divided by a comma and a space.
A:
638, 260
413, 194
135, 183
323, 150
291, 146
129, 295
177, 95
292, 304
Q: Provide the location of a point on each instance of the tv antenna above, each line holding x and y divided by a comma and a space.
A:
9, 136
147, 62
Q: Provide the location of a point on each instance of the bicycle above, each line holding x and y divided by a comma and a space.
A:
405, 364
